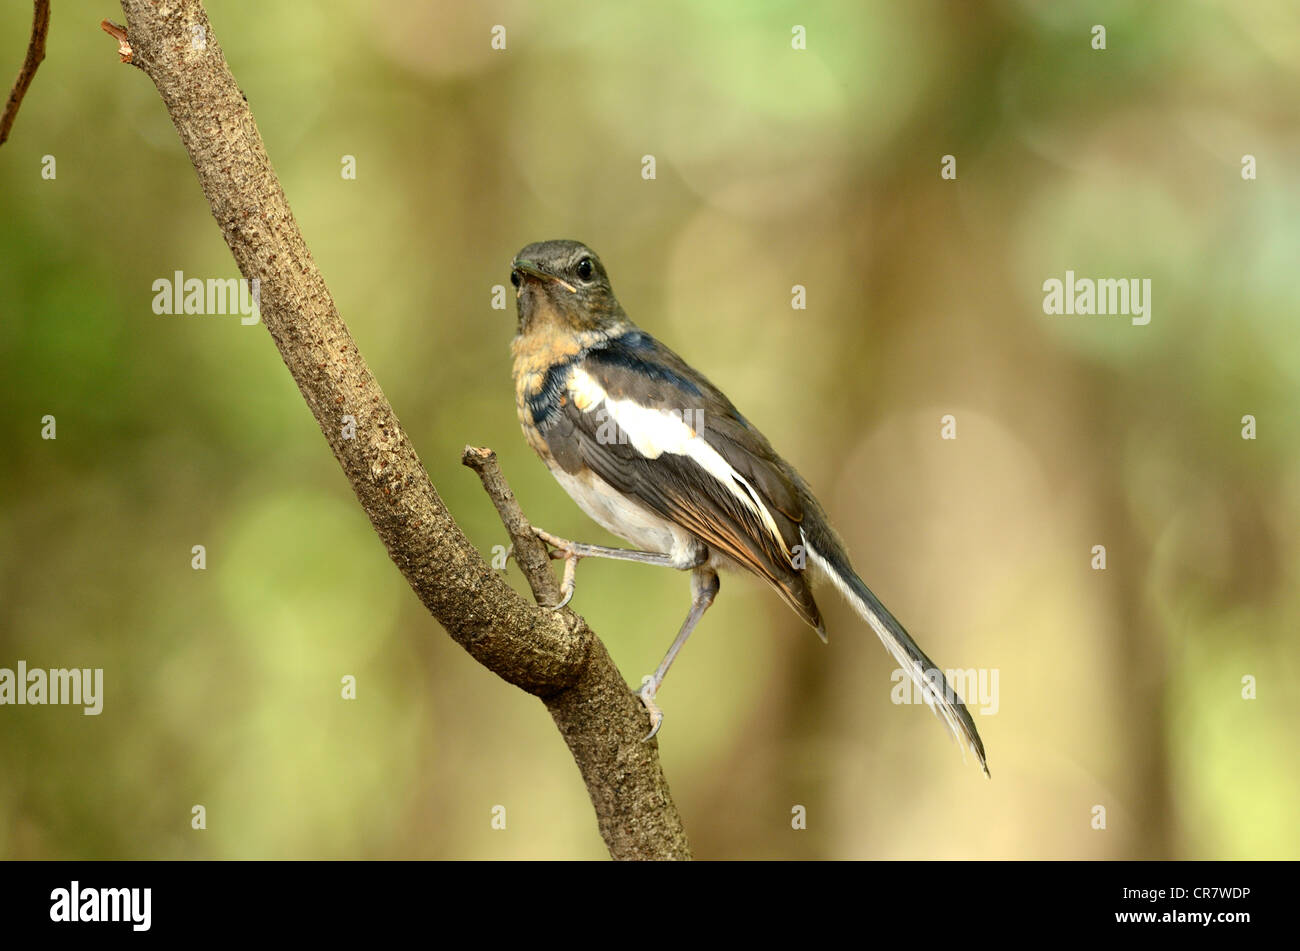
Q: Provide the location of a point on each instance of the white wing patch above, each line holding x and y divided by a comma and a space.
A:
652, 432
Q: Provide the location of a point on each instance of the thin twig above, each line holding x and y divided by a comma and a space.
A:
530, 551
35, 54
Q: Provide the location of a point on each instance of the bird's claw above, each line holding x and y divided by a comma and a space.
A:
562, 548
561, 545
567, 585
647, 695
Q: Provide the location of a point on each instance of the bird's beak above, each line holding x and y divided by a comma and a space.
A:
532, 270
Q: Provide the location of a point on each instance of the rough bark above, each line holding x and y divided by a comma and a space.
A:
553, 655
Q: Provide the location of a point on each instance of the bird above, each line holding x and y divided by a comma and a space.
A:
659, 456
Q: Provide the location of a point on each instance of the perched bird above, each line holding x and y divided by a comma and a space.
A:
656, 454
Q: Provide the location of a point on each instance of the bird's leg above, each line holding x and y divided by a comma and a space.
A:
704, 586
571, 552
568, 549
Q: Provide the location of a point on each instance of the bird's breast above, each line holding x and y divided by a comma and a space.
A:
617, 513
544, 360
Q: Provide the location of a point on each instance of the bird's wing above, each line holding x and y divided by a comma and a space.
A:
658, 431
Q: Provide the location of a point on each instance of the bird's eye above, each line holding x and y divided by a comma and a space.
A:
585, 269
516, 277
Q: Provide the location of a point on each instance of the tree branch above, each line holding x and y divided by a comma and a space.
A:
35, 54
530, 552
553, 655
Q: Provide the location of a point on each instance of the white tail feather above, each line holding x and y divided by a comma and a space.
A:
911, 659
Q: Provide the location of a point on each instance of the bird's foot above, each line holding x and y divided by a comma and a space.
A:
562, 548
554, 541
647, 694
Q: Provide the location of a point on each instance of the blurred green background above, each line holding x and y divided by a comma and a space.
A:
1120, 688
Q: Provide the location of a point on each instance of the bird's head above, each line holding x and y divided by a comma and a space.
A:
563, 285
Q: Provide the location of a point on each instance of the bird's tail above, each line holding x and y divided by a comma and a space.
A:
828, 555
